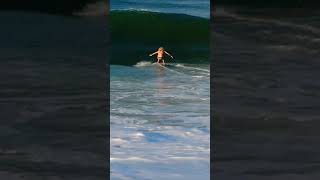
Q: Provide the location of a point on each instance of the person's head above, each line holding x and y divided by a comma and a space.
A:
161, 49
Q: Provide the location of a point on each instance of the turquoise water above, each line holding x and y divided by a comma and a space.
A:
200, 8
160, 121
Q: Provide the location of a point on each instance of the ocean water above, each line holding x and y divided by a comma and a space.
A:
135, 34
160, 121
199, 8
159, 115
53, 117
268, 65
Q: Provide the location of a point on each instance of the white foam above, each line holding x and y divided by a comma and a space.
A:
161, 129
143, 64
198, 76
117, 141
189, 158
132, 159
194, 68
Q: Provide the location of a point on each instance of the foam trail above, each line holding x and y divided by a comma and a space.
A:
143, 64
193, 68
169, 69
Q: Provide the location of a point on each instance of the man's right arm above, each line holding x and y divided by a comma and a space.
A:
153, 53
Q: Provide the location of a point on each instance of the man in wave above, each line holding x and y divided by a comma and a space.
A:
160, 55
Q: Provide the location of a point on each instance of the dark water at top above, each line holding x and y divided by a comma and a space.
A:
200, 8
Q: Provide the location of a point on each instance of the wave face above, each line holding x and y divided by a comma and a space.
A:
135, 34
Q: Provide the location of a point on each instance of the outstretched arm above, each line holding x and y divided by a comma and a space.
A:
153, 53
168, 54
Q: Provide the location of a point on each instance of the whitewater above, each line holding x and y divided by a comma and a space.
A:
160, 121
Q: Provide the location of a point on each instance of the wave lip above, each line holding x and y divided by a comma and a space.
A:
199, 8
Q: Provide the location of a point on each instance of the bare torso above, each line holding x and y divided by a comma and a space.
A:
160, 54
